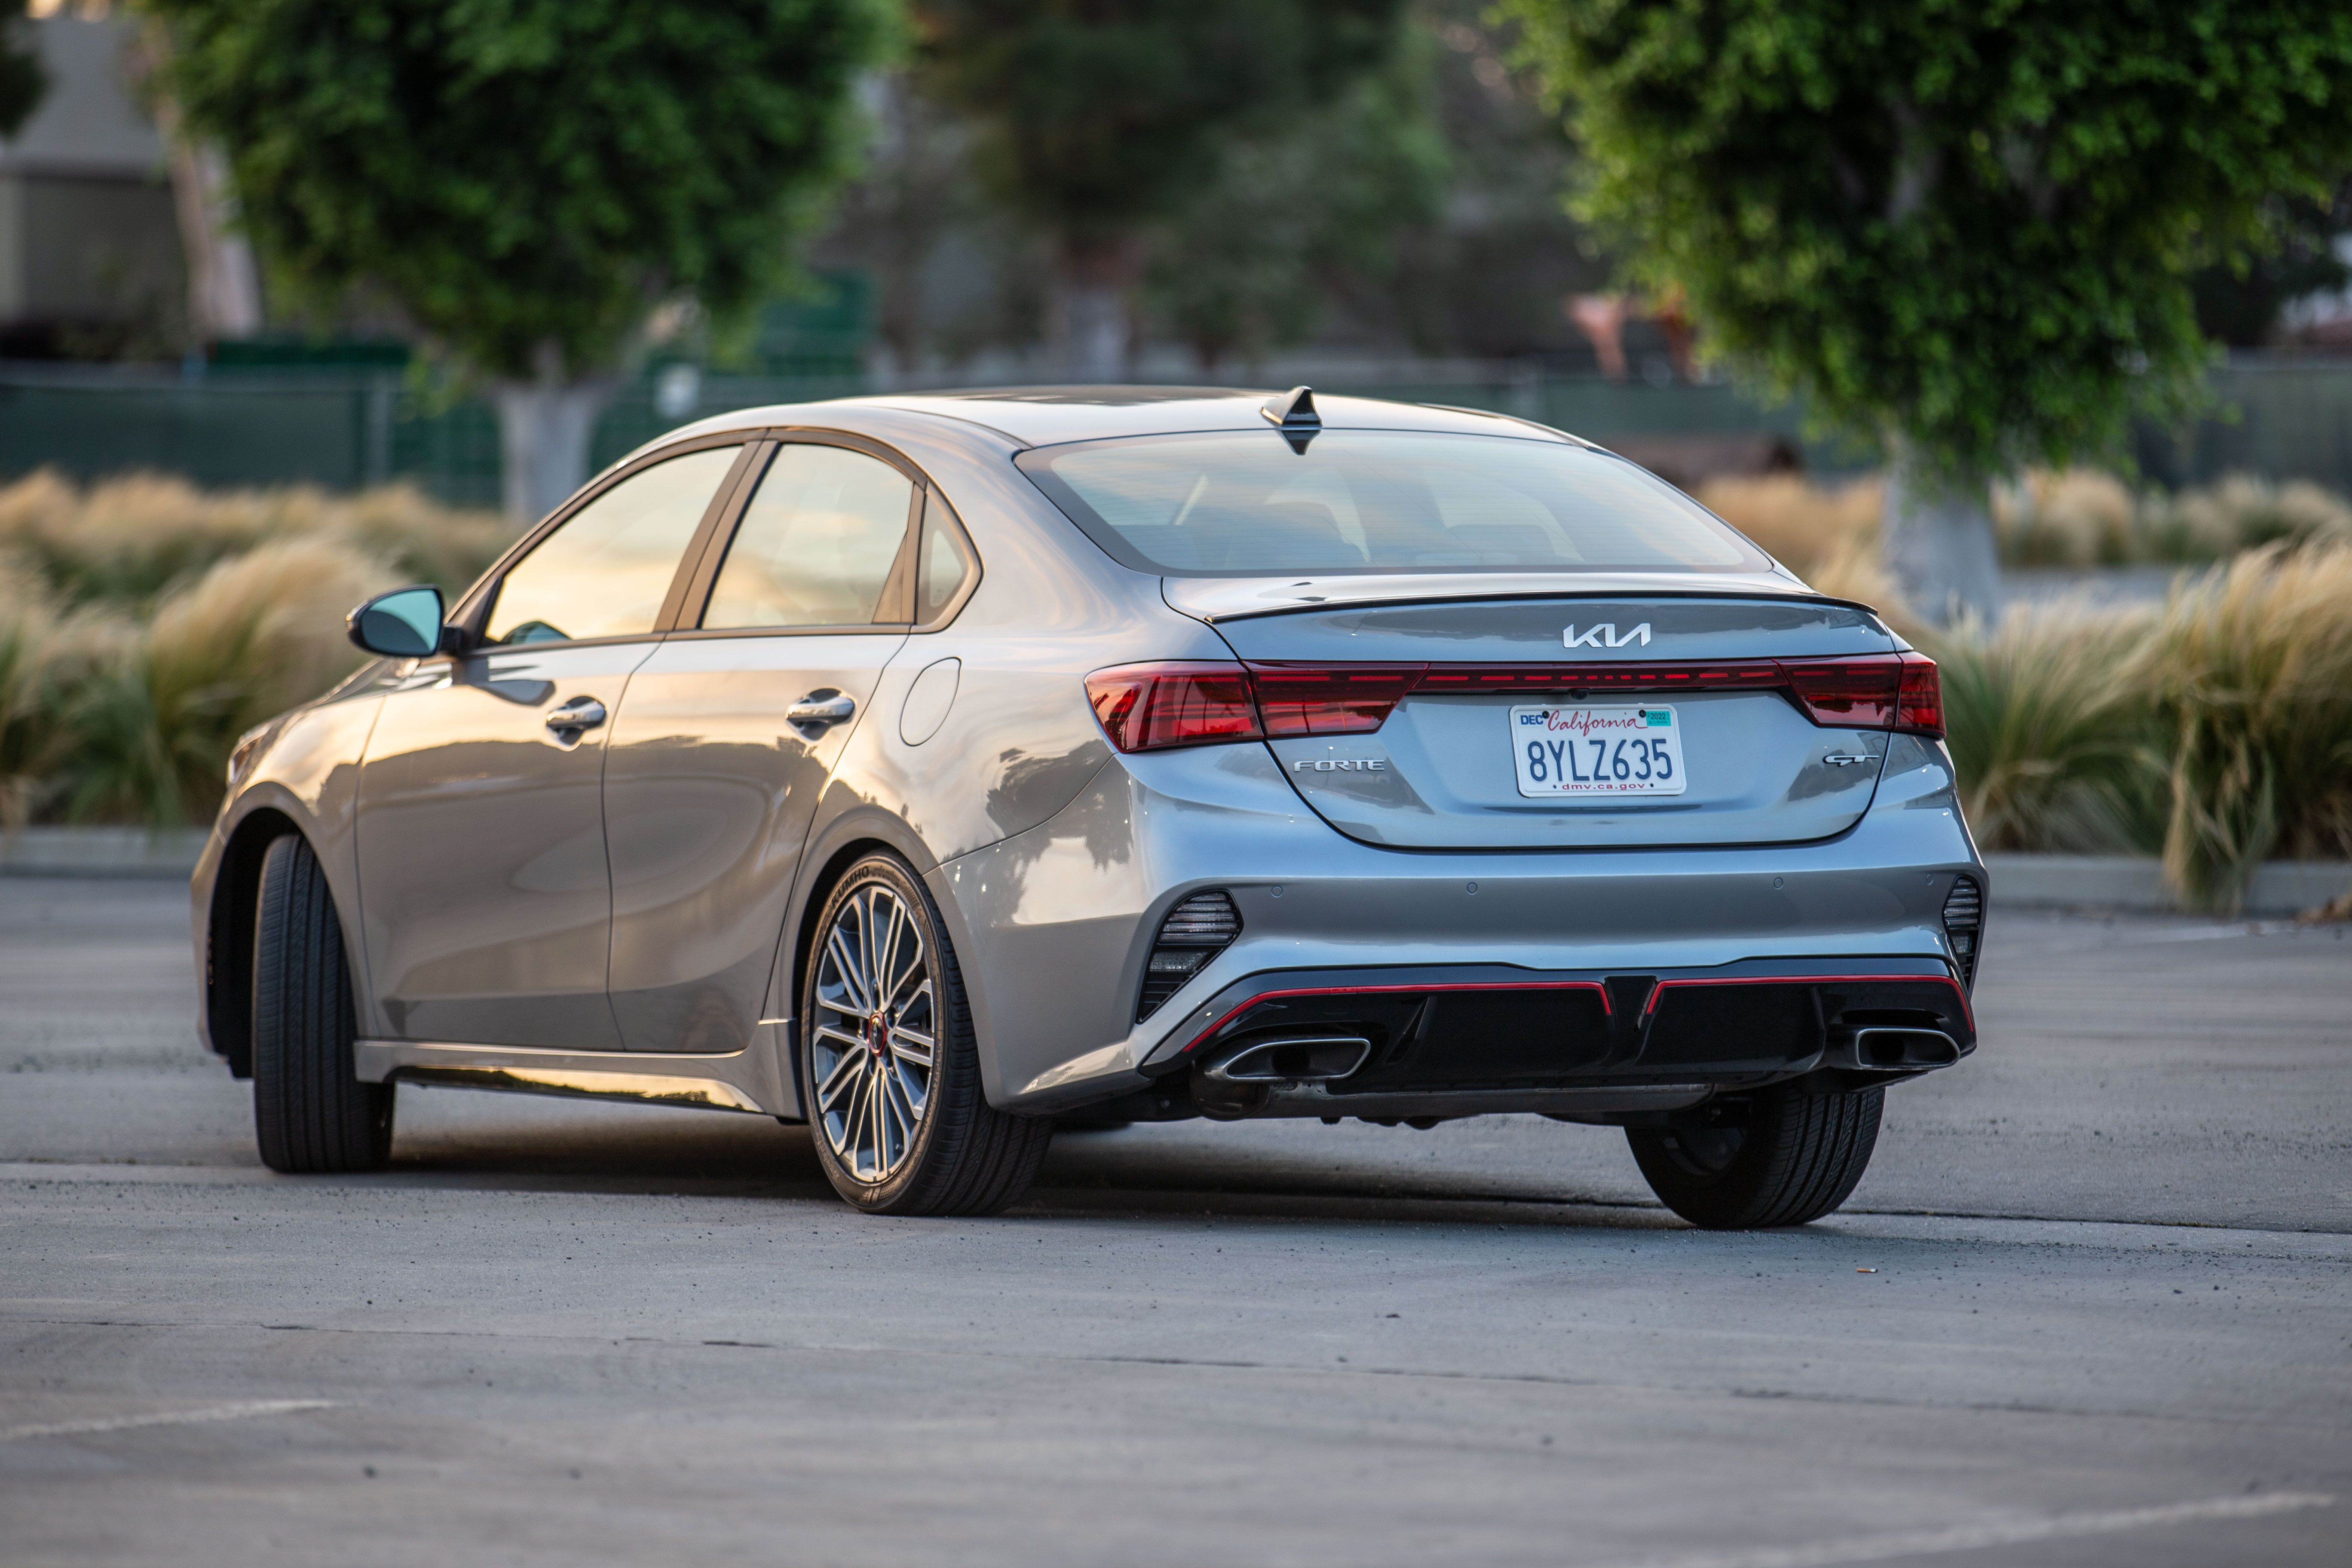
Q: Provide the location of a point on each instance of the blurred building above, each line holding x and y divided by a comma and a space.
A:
90, 264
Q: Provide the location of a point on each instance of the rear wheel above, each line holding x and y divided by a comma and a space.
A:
891, 1067
311, 1114
1791, 1158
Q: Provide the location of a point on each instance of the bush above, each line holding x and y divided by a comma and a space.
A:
144, 624
2055, 745
126, 541
2072, 518
147, 731
2216, 730
2250, 673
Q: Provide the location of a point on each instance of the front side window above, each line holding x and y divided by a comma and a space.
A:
1248, 503
818, 546
605, 572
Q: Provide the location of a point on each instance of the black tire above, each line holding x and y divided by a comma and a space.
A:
311, 1114
860, 1068
1791, 1158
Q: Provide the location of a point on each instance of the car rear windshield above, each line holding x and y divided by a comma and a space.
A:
1251, 503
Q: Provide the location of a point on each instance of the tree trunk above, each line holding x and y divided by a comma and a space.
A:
1097, 275
224, 282
1940, 549
545, 426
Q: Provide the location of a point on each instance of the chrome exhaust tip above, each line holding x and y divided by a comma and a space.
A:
1897, 1049
1322, 1059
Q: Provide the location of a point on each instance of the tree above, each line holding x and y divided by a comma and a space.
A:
2240, 302
1306, 211
1103, 116
24, 80
528, 180
1964, 227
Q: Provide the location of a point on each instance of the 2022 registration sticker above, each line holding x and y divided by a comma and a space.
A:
1597, 752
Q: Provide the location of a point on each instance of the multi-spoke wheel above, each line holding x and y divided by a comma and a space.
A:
888, 1063
875, 1033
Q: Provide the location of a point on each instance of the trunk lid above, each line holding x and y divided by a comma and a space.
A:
1484, 680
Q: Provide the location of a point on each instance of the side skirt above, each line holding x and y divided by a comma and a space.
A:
747, 1081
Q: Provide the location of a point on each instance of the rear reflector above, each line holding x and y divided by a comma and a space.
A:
1964, 925
1195, 932
1150, 706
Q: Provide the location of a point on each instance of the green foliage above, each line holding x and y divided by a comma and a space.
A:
525, 179
1105, 115
125, 542
144, 624
1963, 224
2250, 676
24, 81
2216, 732
1250, 263
2056, 747
2239, 302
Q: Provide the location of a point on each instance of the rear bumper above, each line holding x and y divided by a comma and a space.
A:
1055, 925
1455, 1040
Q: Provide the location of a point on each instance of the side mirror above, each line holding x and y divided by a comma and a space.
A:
402, 624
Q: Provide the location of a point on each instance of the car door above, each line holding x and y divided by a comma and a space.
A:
485, 896
730, 729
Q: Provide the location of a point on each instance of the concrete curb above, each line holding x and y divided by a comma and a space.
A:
167, 853
2133, 882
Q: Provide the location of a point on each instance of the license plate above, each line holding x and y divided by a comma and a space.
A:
1597, 751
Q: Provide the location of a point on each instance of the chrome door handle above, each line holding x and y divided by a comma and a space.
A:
819, 710
579, 714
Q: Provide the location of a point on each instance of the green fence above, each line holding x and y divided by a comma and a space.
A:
2280, 418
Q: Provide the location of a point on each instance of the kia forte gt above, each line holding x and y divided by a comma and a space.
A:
933, 768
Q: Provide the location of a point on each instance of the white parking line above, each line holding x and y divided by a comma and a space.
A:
237, 1412
1977, 1537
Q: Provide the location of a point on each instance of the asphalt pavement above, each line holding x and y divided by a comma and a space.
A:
2091, 1305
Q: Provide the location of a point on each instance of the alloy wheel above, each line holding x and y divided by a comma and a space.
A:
875, 1037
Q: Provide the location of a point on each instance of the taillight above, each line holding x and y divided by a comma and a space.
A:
1871, 692
1348, 700
1850, 694
1921, 706
1148, 707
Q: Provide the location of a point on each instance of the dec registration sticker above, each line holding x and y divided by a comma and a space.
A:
1597, 751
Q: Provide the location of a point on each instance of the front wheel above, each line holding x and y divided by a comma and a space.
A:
311, 1113
890, 1065
1791, 1157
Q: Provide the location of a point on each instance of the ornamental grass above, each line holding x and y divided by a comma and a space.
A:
128, 541
144, 624
2249, 674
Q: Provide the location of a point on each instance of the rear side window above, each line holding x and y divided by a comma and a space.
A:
605, 572
821, 544
1251, 504
944, 565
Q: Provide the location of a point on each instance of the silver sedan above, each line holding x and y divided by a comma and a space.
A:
930, 768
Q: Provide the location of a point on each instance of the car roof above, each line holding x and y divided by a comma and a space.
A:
1047, 416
